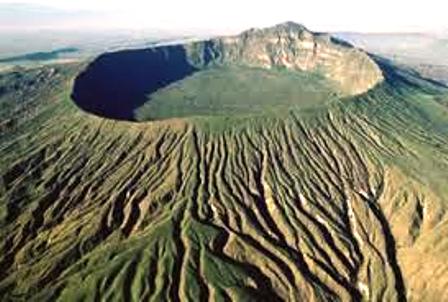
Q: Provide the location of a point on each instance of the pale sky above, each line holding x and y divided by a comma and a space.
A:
227, 15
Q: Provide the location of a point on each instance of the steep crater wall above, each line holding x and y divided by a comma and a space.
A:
293, 47
116, 84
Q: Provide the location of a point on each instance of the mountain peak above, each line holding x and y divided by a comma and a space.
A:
290, 25
288, 28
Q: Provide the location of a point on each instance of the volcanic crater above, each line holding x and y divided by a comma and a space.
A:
282, 67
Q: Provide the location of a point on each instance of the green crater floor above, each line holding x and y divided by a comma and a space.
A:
233, 91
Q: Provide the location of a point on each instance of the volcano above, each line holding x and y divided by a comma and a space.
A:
275, 165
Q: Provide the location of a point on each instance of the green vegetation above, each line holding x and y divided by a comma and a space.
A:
231, 91
257, 194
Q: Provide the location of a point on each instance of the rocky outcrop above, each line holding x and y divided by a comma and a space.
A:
292, 46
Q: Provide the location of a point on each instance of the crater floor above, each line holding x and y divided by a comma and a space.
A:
237, 91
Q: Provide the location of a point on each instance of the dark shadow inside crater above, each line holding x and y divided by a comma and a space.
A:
116, 84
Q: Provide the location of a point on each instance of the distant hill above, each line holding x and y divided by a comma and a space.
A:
41, 56
28, 49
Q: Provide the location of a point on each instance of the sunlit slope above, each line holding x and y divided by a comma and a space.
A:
345, 201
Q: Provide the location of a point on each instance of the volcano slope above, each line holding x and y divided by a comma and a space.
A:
337, 193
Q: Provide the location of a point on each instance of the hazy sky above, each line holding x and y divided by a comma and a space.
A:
226, 15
